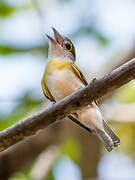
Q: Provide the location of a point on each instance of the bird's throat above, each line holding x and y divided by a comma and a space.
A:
58, 64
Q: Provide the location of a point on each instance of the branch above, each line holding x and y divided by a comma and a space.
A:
68, 105
26, 151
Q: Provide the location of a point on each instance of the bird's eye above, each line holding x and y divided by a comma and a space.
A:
68, 46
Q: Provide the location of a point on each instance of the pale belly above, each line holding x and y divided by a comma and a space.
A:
63, 83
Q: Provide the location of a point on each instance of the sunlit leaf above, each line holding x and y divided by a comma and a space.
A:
72, 148
126, 133
50, 176
126, 93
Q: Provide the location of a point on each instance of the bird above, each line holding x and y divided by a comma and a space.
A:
62, 77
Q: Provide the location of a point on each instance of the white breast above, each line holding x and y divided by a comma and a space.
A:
63, 82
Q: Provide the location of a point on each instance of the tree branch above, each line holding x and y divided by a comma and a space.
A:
68, 105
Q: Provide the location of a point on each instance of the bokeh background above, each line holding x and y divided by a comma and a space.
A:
103, 33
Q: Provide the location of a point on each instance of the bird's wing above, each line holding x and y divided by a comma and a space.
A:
75, 120
46, 90
79, 74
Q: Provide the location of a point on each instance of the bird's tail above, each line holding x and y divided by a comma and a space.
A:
106, 140
110, 132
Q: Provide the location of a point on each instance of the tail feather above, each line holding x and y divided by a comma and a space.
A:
109, 131
106, 140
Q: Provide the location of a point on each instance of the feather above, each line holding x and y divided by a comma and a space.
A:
106, 140
110, 132
46, 91
79, 74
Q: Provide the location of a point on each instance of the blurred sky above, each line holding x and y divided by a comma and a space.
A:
66, 169
116, 166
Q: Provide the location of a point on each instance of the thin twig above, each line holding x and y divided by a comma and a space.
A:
68, 105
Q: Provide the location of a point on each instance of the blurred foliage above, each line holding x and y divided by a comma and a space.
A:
72, 148
7, 10
24, 174
9, 49
19, 176
126, 93
24, 107
92, 31
68, 148
126, 133
50, 175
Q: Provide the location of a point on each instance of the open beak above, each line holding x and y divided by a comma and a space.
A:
58, 38
50, 38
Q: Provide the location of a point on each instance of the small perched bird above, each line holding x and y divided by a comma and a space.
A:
62, 77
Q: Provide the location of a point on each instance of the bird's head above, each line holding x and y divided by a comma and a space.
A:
60, 47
